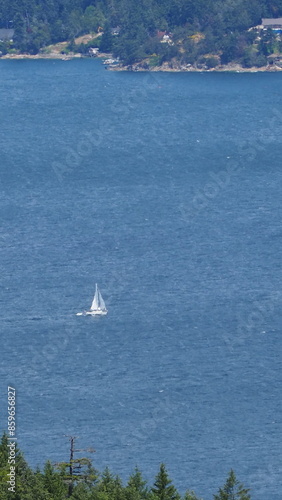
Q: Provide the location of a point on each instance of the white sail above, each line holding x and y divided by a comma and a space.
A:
95, 304
98, 301
101, 301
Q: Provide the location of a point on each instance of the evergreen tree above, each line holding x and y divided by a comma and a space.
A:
106, 44
232, 490
53, 482
223, 27
24, 476
20, 34
111, 485
190, 495
136, 487
77, 470
163, 489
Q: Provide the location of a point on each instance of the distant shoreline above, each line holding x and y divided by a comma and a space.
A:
180, 68
218, 69
137, 67
54, 55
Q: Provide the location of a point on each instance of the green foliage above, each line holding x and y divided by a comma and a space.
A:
168, 52
232, 490
163, 489
234, 46
107, 40
211, 62
253, 58
190, 495
53, 482
111, 486
4, 47
154, 61
93, 18
25, 478
223, 26
136, 488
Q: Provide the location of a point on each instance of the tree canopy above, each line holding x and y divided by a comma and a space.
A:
197, 28
77, 479
232, 490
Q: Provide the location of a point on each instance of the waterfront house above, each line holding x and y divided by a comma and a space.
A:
6, 35
93, 51
275, 60
115, 31
275, 24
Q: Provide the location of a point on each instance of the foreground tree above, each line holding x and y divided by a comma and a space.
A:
77, 470
190, 495
136, 487
232, 490
110, 486
54, 482
163, 489
29, 485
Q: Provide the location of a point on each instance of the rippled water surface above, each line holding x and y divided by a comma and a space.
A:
166, 190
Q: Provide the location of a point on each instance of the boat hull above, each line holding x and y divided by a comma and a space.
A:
96, 313
92, 313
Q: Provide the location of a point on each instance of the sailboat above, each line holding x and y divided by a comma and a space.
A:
98, 306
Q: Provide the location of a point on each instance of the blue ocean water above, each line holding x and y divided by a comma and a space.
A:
166, 190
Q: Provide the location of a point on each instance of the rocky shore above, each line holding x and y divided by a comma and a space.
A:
177, 67
53, 55
174, 66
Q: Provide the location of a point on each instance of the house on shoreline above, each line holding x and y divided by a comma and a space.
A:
6, 35
274, 24
275, 60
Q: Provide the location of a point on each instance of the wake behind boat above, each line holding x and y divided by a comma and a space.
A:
98, 306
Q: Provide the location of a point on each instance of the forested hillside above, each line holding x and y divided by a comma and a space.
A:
196, 29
